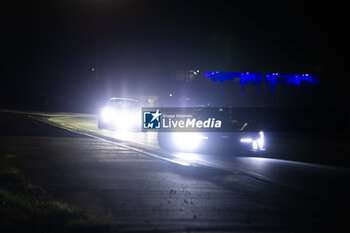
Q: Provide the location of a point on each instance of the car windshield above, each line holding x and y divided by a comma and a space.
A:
121, 103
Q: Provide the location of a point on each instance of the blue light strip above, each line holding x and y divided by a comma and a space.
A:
257, 78
244, 77
296, 79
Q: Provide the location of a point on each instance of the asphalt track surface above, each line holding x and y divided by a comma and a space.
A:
126, 179
309, 177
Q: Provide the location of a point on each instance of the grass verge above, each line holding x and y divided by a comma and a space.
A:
26, 207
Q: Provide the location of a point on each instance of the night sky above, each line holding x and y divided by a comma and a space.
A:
50, 46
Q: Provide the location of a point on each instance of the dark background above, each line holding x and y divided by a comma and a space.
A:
50, 47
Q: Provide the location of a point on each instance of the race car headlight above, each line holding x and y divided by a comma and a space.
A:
261, 141
125, 120
257, 143
188, 140
108, 114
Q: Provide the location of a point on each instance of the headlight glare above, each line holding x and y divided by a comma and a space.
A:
257, 143
125, 120
261, 140
108, 114
188, 141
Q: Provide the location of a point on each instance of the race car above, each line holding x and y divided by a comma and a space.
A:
239, 129
119, 113
203, 142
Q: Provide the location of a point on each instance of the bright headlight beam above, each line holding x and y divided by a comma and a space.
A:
257, 143
246, 140
108, 114
187, 141
125, 120
261, 141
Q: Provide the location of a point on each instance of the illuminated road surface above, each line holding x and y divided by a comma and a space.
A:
135, 186
308, 177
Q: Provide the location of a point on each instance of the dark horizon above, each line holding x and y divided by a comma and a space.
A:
51, 47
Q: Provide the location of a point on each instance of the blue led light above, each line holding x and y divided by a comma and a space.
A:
257, 78
295, 79
254, 78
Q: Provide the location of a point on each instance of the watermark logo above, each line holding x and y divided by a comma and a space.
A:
182, 119
152, 120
